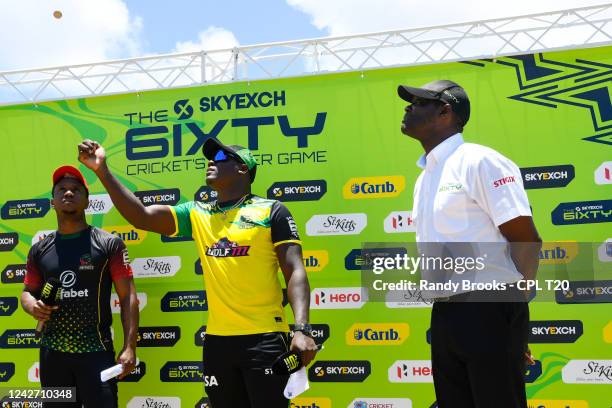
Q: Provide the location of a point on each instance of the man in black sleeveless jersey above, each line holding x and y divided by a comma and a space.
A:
76, 342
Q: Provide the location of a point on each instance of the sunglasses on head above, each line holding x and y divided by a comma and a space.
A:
221, 155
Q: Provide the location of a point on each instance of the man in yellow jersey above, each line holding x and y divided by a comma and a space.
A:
242, 239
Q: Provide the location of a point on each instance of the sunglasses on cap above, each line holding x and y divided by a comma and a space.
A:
221, 155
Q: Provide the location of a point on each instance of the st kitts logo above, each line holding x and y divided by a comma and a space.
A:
170, 196
155, 267
399, 221
154, 402
13, 273
380, 403
377, 334
320, 332
304, 190
561, 252
158, 336
17, 209
410, 371
19, 338
336, 224
99, 204
184, 301
128, 234
8, 241
555, 331
587, 372
8, 305
205, 194
225, 248
586, 292
582, 212
136, 374
547, 176
339, 371
7, 370
338, 298
374, 187
312, 402
315, 260
603, 174
363, 258
539, 403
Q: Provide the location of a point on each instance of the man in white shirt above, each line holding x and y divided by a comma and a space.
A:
469, 193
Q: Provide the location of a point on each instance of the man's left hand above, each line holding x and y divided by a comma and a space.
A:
305, 346
127, 358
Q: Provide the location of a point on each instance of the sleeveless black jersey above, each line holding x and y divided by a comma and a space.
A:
86, 264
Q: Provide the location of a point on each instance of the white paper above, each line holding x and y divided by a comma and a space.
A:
297, 384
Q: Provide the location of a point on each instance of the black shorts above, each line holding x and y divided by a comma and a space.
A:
237, 370
80, 370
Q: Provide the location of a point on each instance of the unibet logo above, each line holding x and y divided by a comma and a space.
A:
315, 260
532, 403
127, 233
377, 334
374, 187
313, 402
561, 252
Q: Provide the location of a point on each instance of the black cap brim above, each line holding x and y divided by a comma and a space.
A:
211, 146
408, 93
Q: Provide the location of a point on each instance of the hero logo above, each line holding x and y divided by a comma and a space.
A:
17, 209
7, 370
547, 176
34, 373
411, 371
604, 252
587, 372
225, 248
8, 241
163, 266
306, 190
380, 403
582, 212
13, 273
338, 298
399, 221
116, 304
374, 187
99, 204
603, 174
40, 235
170, 196
336, 224
154, 402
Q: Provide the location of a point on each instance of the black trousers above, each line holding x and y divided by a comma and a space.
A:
80, 370
477, 354
241, 369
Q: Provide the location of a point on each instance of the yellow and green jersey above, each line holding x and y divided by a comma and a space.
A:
238, 256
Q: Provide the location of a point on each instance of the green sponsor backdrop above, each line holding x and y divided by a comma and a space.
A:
539, 110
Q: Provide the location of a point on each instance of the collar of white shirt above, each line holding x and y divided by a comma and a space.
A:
440, 152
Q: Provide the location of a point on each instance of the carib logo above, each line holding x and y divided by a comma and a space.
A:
374, 187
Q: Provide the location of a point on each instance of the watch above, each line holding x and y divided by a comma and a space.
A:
305, 328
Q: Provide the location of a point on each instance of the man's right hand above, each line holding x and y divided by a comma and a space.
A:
42, 312
92, 155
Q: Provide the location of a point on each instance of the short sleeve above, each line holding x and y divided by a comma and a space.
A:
498, 188
119, 260
33, 278
182, 219
284, 228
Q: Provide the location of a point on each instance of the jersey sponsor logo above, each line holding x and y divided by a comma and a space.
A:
185, 371
199, 336
540, 403
153, 267
225, 248
375, 334
34, 372
338, 298
18, 209
380, 403
604, 251
587, 372
547, 176
533, 372
399, 221
116, 304
303, 190
586, 292
561, 252
136, 374
363, 258
68, 279
40, 235
204, 402
603, 174
86, 263
158, 336
607, 332
339, 371
8, 241
410, 371
7, 370
336, 224
205, 194
374, 187
154, 401
99, 204
450, 187
184, 301
320, 332
247, 222
8, 305
315, 260
128, 234
169, 196
503, 181
582, 212
310, 402
396, 299
13, 273
555, 331
19, 338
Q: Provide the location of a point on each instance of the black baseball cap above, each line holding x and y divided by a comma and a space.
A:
213, 145
442, 90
